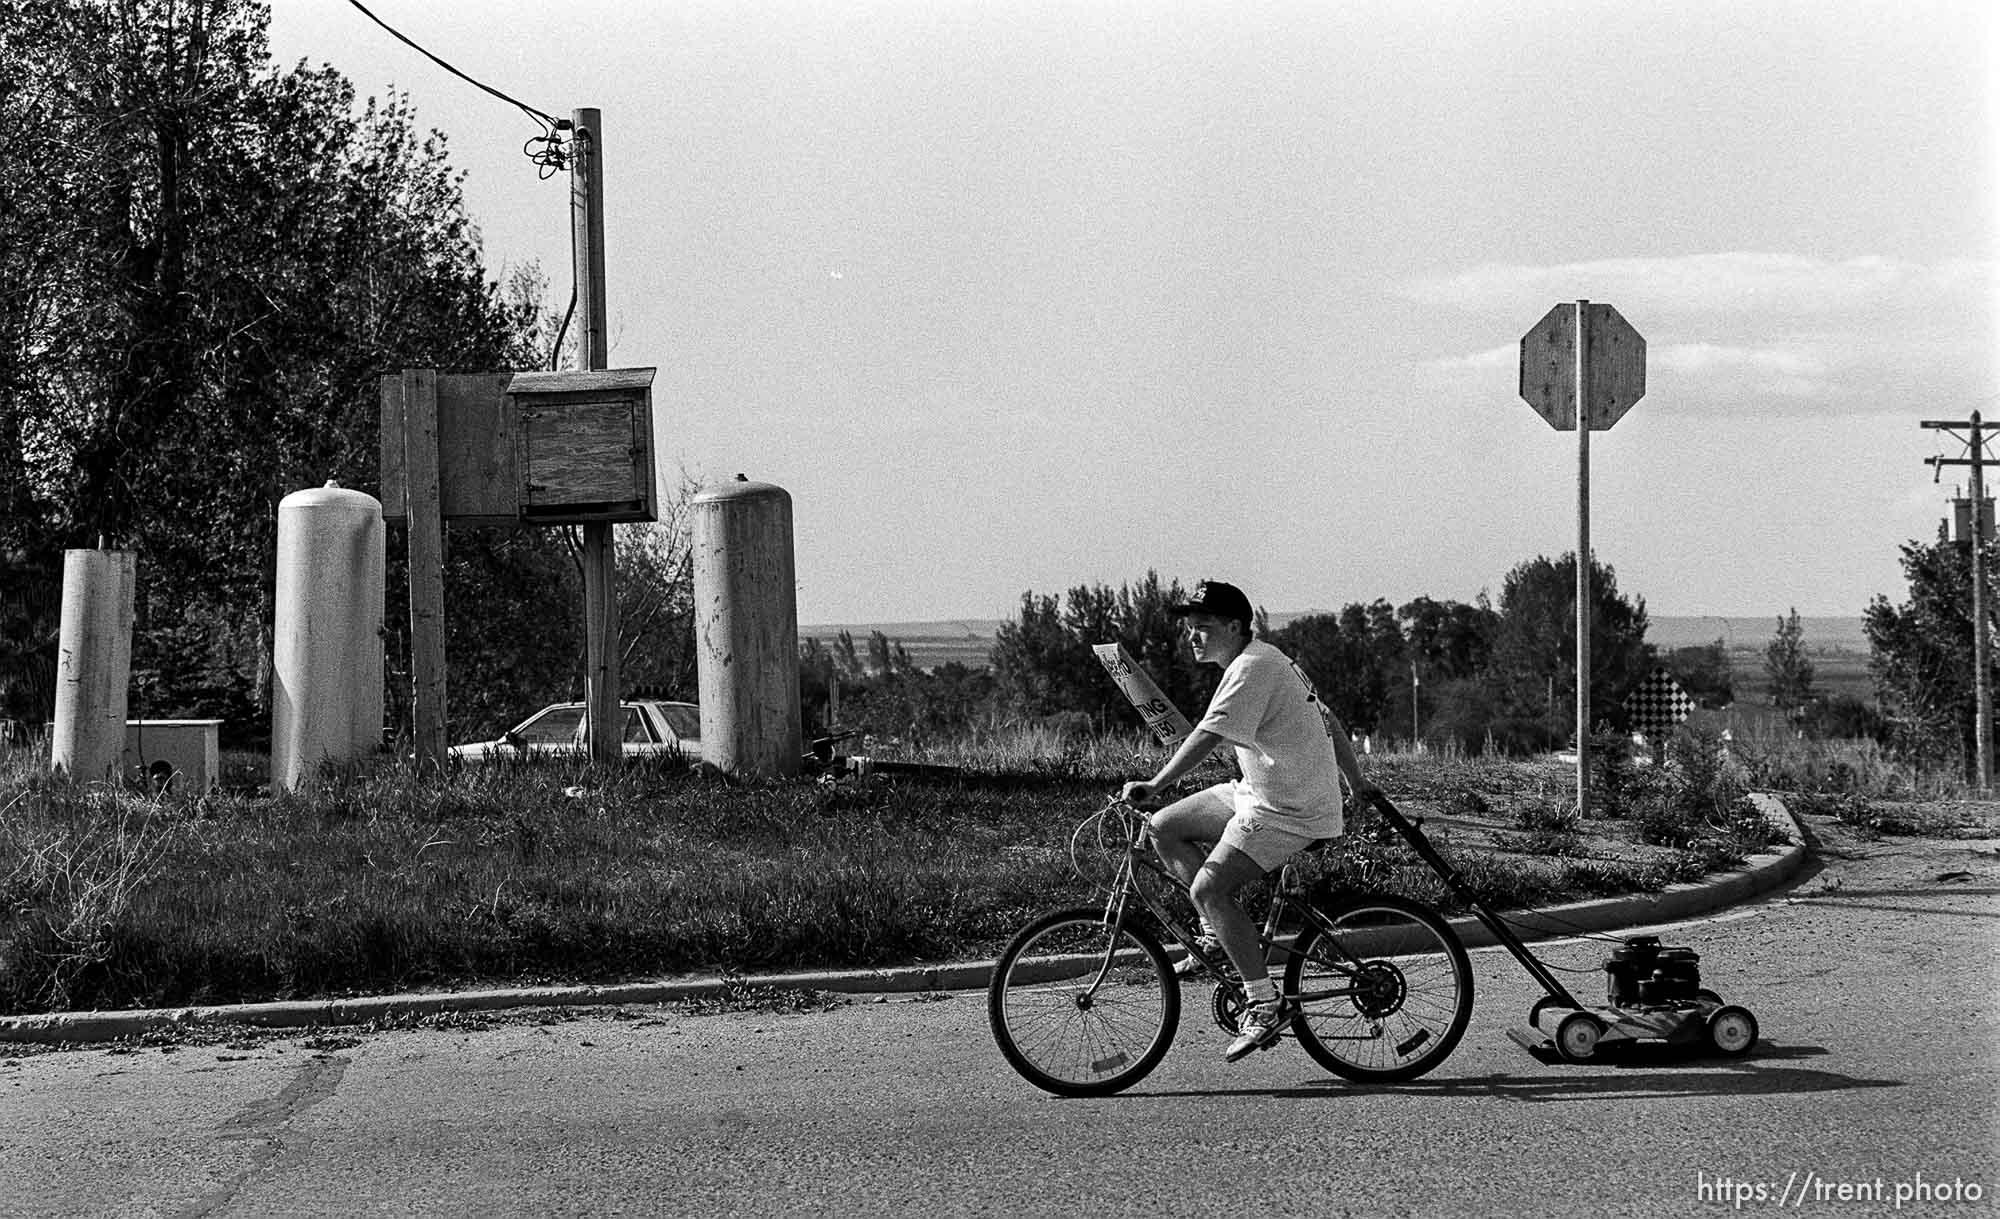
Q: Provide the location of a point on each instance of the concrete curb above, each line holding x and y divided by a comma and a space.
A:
1760, 875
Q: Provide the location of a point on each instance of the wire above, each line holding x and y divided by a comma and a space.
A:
555, 352
550, 158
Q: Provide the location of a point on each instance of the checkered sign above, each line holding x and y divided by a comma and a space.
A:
1658, 705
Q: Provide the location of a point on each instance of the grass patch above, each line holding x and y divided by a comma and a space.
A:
534, 875
566, 873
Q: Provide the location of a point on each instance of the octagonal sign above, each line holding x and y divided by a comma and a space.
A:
1615, 366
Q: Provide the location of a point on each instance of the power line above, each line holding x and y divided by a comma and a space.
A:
551, 157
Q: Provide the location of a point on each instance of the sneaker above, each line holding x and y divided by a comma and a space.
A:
1207, 956
1262, 1024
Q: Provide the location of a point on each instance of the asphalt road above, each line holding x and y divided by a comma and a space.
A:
1876, 981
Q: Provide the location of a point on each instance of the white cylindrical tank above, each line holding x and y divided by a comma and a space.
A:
747, 629
93, 664
326, 663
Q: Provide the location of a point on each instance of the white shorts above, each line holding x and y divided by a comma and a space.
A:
1215, 812
1270, 845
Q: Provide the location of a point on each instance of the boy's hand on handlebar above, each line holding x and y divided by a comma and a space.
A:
1139, 795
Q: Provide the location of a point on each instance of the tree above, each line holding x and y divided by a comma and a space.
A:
1704, 672
1449, 639
1533, 661
1921, 653
207, 264
1355, 659
1788, 666
1043, 664
1449, 644
656, 600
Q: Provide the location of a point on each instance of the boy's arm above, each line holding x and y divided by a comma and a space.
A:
1186, 758
1343, 757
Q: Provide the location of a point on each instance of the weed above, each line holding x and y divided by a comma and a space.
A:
1546, 816
1848, 808
1554, 842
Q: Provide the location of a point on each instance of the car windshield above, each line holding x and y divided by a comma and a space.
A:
556, 726
636, 728
684, 719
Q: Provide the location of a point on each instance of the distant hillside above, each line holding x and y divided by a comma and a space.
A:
1821, 634
969, 641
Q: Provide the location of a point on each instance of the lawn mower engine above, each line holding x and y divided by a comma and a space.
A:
1653, 994
1643, 974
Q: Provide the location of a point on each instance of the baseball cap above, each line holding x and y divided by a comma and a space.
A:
1215, 597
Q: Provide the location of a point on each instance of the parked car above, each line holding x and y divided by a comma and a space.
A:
651, 729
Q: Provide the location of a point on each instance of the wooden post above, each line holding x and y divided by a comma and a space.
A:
424, 514
1583, 558
600, 576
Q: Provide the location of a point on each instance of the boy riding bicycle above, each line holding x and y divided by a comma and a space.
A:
1293, 753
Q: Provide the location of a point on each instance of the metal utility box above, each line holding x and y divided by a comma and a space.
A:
583, 445
173, 757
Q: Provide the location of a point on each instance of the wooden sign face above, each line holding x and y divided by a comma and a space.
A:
523, 448
1616, 362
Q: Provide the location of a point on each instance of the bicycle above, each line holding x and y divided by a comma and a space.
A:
1084, 1001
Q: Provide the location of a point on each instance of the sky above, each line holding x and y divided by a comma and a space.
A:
1018, 295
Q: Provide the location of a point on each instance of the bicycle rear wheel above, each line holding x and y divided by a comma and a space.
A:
1079, 1012
1386, 995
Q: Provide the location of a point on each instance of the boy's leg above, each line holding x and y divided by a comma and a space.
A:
1184, 831
1214, 890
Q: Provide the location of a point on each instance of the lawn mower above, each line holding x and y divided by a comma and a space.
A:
1653, 993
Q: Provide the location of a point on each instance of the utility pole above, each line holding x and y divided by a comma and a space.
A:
1975, 445
600, 587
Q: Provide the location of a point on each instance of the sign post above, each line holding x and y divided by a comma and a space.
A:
1582, 368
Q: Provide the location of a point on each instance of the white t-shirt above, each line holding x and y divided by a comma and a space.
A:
1267, 709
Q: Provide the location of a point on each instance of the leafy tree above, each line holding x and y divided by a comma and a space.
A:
1355, 659
1533, 661
1043, 664
496, 677
208, 263
1921, 653
1845, 717
656, 600
1448, 644
1704, 672
1788, 666
1449, 639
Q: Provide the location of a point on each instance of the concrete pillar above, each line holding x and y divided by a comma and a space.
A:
747, 630
94, 663
326, 665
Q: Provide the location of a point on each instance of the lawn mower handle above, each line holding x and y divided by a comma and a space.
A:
1412, 832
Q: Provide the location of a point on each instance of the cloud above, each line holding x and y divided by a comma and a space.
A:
1786, 285
1789, 332
1691, 371
1799, 371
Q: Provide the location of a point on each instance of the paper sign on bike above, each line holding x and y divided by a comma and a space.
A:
1155, 708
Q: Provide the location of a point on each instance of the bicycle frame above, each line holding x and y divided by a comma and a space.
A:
1125, 886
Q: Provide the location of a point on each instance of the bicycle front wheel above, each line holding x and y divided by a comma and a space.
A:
1384, 989
1079, 1010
